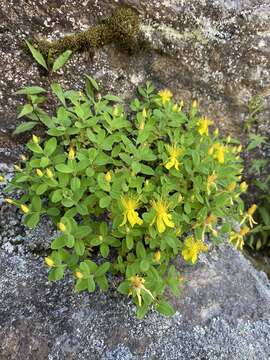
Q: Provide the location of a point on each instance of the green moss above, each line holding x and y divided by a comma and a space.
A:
121, 28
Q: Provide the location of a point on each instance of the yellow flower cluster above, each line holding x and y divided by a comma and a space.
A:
165, 96
162, 218
203, 125
129, 206
174, 152
192, 248
237, 239
218, 152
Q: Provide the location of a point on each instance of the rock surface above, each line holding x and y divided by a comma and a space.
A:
216, 51
223, 313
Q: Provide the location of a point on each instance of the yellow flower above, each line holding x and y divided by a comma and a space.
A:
49, 173
144, 113
39, 172
216, 132
23, 157
174, 153
2, 178
17, 168
62, 227
203, 126
218, 152
162, 218
175, 108
9, 201
25, 208
239, 149
35, 139
237, 239
78, 275
137, 284
157, 256
244, 230
250, 213
49, 261
211, 182
194, 104
71, 153
231, 186
108, 177
141, 126
192, 248
165, 95
243, 186
129, 206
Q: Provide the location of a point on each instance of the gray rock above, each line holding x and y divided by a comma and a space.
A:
222, 313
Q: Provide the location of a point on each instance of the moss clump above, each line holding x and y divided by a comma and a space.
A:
121, 28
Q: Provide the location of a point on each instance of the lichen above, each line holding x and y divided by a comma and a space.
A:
121, 28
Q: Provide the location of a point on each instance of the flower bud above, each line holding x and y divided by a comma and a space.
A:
71, 153
35, 139
39, 172
23, 157
25, 208
157, 255
243, 186
141, 126
49, 261
78, 274
49, 173
108, 177
252, 209
9, 201
144, 113
17, 168
216, 132
62, 227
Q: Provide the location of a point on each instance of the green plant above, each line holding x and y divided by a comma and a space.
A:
137, 189
255, 107
259, 236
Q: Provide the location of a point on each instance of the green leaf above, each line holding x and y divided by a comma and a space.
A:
31, 220
165, 308
63, 168
112, 98
35, 148
26, 109
36, 203
124, 288
37, 55
56, 273
144, 265
50, 146
93, 82
102, 282
91, 286
61, 60
104, 250
102, 269
58, 91
41, 189
79, 247
140, 250
75, 184
104, 202
31, 90
26, 126
129, 242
